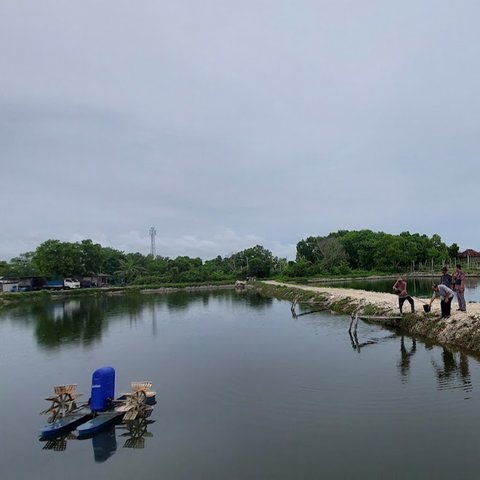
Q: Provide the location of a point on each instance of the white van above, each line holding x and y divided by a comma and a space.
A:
71, 283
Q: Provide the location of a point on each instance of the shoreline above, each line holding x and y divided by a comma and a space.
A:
18, 298
461, 329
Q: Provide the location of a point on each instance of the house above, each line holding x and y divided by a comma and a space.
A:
8, 284
95, 280
470, 257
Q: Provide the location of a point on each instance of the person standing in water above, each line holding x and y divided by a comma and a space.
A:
400, 288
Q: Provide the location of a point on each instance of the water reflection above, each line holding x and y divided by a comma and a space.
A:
104, 443
58, 444
137, 431
68, 322
356, 345
294, 304
453, 372
82, 321
405, 355
257, 301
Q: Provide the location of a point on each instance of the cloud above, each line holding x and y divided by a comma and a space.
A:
224, 243
261, 118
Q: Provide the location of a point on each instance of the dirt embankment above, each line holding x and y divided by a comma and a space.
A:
461, 329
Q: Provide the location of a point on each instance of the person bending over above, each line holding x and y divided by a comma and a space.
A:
446, 295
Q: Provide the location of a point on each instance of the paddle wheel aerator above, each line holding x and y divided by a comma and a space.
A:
63, 403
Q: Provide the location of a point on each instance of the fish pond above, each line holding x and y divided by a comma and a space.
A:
244, 391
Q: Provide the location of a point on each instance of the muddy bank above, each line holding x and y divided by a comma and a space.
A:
461, 330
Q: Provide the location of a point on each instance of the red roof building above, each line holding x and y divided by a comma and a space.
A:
469, 253
472, 257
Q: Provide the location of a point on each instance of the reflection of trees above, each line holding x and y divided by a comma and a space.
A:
81, 320
406, 355
178, 301
58, 323
255, 300
183, 300
454, 372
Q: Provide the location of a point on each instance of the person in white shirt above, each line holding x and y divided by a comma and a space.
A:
446, 296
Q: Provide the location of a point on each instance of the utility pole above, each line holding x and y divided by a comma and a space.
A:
153, 232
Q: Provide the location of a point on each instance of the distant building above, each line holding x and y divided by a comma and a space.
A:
8, 284
470, 257
95, 280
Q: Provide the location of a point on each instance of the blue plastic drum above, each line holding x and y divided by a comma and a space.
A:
103, 389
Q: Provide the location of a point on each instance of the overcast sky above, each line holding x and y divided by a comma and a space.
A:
225, 124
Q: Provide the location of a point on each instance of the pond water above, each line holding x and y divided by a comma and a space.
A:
418, 287
245, 391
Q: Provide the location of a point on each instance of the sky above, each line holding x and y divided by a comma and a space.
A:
226, 124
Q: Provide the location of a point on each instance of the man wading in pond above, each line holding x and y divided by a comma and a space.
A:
400, 288
446, 296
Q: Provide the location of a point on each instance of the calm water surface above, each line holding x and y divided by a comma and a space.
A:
244, 392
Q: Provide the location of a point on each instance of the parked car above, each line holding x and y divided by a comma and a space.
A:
28, 284
60, 284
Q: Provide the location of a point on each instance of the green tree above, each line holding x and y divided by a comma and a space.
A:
185, 269
332, 253
360, 247
453, 250
158, 266
5, 269
259, 261
130, 268
308, 249
58, 259
111, 261
91, 257
299, 268
21, 266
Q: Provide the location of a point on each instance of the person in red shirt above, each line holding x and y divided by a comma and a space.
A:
400, 289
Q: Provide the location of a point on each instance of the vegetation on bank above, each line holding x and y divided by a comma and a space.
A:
343, 253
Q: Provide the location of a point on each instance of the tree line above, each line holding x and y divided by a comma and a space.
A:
56, 259
342, 252
345, 251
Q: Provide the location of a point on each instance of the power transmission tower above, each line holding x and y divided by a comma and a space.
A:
153, 232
